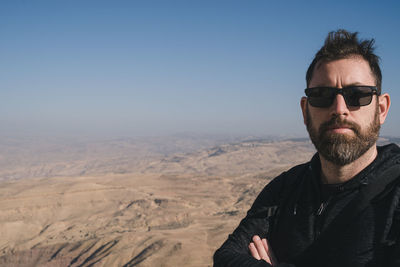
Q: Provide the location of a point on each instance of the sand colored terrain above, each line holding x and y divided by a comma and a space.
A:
163, 210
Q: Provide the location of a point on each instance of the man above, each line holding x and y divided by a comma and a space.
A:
343, 207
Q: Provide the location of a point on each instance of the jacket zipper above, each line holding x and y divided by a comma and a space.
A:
319, 218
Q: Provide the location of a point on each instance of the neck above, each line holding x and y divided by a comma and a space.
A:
334, 174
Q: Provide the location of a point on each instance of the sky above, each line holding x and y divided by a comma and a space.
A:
137, 68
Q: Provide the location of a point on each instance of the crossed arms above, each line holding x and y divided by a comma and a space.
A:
244, 247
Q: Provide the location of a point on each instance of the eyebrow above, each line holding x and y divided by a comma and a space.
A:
347, 85
356, 84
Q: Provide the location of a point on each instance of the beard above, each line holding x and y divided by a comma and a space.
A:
342, 149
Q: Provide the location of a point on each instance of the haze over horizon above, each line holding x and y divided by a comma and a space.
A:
137, 68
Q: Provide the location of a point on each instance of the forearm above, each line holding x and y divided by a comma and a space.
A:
226, 257
234, 251
230, 255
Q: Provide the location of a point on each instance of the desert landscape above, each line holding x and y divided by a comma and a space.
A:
131, 202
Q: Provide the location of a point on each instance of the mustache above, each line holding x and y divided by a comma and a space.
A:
336, 122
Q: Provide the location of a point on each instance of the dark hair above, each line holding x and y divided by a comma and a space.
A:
342, 44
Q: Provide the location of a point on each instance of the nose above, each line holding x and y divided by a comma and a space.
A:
339, 106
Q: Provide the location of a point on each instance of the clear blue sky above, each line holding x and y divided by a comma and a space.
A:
162, 67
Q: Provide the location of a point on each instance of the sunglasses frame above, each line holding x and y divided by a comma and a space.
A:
334, 91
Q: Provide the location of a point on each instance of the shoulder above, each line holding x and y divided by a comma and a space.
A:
287, 178
273, 191
387, 184
390, 152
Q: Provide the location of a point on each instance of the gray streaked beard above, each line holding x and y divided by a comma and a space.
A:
341, 149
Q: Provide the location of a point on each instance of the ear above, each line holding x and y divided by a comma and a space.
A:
384, 104
303, 105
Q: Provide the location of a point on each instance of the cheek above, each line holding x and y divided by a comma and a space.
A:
365, 117
316, 117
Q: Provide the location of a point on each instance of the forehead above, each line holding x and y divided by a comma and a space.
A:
342, 73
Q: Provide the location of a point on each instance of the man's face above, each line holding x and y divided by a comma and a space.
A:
342, 134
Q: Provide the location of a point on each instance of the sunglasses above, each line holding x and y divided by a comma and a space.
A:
354, 96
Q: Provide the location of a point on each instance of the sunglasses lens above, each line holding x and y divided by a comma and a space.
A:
358, 96
320, 97
355, 96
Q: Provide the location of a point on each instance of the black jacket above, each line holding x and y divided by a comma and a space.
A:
295, 208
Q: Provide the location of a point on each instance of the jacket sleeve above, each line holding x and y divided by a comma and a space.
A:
234, 251
394, 257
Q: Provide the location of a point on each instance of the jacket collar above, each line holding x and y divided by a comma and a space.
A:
387, 156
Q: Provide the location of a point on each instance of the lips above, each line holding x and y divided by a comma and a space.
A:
344, 126
340, 129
